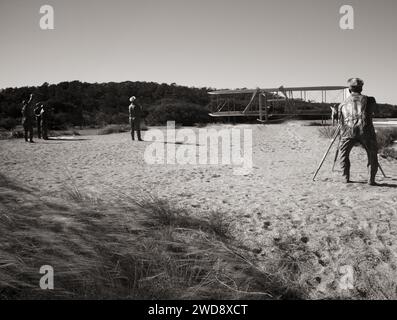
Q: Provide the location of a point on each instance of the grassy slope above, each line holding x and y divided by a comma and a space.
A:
144, 249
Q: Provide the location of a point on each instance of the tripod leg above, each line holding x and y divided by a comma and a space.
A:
326, 153
336, 154
381, 170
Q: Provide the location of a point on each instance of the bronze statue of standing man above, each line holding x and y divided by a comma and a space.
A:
355, 118
28, 118
135, 113
37, 113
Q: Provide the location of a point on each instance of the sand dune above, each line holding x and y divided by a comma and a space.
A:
276, 200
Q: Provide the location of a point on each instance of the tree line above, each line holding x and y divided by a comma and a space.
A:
84, 104
78, 103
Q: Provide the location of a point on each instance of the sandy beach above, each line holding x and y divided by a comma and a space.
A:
277, 199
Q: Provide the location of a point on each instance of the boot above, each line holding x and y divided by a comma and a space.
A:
371, 180
346, 177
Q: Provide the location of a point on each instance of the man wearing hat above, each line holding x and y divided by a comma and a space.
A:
44, 115
37, 113
355, 117
135, 111
27, 118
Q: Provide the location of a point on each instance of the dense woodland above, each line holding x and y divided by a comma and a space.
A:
84, 104
97, 104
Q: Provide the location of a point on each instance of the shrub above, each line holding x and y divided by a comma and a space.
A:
113, 128
119, 118
101, 119
4, 134
385, 137
179, 111
11, 134
60, 121
17, 134
8, 123
389, 153
200, 125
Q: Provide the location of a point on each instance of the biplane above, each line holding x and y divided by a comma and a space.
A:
276, 103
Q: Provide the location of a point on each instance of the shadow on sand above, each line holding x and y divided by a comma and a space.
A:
180, 143
387, 185
382, 185
66, 139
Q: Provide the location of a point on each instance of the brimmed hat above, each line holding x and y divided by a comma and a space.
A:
355, 82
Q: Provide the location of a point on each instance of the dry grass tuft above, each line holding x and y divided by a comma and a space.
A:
386, 138
146, 249
327, 131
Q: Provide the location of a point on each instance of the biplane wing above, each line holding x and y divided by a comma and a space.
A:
251, 91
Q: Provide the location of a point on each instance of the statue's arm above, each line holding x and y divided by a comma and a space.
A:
375, 112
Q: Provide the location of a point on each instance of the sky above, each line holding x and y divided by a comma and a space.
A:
202, 43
